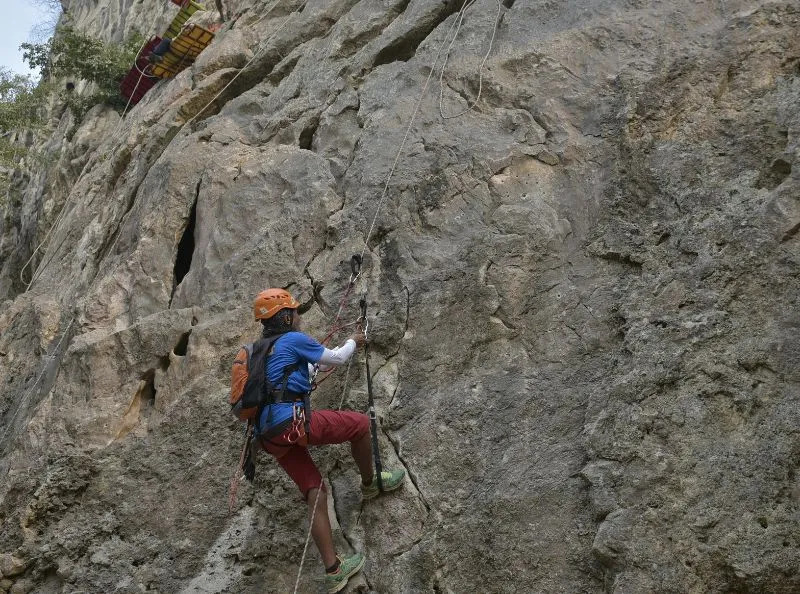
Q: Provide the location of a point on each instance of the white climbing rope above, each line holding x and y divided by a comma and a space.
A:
410, 124
480, 70
37, 272
310, 526
133, 94
371, 230
308, 538
28, 394
262, 46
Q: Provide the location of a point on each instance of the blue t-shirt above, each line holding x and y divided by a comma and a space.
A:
291, 348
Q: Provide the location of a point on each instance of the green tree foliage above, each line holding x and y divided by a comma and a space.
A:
21, 108
18, 100
71, 54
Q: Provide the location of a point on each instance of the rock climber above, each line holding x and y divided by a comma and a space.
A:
287, 440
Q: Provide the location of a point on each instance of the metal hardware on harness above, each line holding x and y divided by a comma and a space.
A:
298, 421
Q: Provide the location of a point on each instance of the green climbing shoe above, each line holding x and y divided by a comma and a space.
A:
348, 567
391, 480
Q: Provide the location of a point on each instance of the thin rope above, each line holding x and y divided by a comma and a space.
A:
311, 525
308, 538
366, 242
133, 94
25, 398
239, 472
263, 46
37, 273
408, 131
480, 70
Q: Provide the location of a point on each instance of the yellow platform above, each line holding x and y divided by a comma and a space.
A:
180, 19
182, 52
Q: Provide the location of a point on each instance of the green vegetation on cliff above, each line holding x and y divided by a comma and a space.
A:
68, 55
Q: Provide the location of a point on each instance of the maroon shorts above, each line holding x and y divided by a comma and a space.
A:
327, 427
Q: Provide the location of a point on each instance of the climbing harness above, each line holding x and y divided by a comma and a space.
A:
252, 391
298, 428
373, 417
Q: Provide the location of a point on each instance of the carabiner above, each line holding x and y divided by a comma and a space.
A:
363, 304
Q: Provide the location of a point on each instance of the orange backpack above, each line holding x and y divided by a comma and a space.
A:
251, 390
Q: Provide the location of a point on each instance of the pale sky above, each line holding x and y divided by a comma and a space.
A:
18, 20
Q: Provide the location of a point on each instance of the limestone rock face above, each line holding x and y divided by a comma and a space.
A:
582, 281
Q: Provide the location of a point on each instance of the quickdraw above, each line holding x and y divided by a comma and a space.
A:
297, 429
355, 268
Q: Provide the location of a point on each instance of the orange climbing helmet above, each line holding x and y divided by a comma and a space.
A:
268, 303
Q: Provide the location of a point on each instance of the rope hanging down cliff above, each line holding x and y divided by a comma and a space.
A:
470, 107
43, 265
37, 272
456, 22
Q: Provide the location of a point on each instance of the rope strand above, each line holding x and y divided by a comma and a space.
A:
308, 538
369, 235
408, 131
480, 70
27, 395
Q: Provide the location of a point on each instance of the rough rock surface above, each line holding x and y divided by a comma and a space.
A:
586, 334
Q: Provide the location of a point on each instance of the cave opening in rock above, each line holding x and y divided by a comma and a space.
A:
183, 259
307, 135
183, 344
147, 394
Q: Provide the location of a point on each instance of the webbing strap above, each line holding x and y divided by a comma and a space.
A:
373, 417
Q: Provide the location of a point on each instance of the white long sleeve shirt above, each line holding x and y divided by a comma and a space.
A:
335, 357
